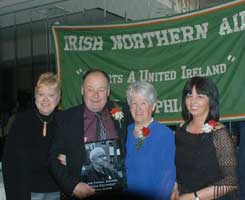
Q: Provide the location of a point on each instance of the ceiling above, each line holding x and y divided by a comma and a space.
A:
4, 3
7, 6
22, 11
10, 6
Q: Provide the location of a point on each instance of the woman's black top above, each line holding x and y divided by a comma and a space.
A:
25, 159
205, 159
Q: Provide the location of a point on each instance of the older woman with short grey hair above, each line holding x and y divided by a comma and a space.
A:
144, 89
150, 146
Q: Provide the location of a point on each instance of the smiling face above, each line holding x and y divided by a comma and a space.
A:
197, 104
46, 99
141, 109
95, 91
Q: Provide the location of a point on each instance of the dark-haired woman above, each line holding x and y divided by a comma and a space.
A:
206, 163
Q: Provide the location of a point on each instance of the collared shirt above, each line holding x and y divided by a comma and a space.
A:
90, 122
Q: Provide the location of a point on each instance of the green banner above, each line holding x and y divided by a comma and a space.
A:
165, 52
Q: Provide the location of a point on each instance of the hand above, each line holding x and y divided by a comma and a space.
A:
62, 159
83, 190
187, 196
175, 193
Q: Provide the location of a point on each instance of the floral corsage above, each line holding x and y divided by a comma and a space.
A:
142, 134
117, 114
208, 127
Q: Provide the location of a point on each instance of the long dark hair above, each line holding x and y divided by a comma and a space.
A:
204, 86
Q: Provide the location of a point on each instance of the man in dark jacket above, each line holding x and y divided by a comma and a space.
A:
78, 126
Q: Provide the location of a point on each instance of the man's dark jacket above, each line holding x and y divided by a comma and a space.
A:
69, 141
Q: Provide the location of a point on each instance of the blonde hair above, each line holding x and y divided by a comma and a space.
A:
48, 79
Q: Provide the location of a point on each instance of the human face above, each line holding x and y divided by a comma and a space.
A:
100, 159
197, 104
141, 109
95, 91
46, 99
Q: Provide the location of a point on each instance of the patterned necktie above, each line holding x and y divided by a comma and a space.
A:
100, 129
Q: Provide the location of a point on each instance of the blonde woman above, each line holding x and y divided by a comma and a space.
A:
25, 169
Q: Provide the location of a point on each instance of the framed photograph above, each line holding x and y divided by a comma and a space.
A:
104, 166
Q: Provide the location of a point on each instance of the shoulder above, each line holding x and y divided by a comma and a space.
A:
180, 127
219, 126
160, 125
181, 124
221, 137
220, 132
116, 103
21, 124
74, 109
130, 126
162, 137
162, 128
123, 106
24, 116
70, 112
25, 113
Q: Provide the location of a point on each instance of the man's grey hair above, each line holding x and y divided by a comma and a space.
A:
95, 151
145, 89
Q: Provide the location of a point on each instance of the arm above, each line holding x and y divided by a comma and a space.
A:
9, 163
242, 160
60, 172
81, 190
62, 159
226, 156
168, 176
60, 168
14, 171
175, 192
207, 193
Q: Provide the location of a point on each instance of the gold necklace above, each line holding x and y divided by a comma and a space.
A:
45, 123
